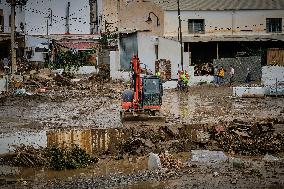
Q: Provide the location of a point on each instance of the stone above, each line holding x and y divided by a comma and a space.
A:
154, 162
200, 136
237, 163
268, 158
208, 157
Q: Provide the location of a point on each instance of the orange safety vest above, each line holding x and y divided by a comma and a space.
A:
222, 73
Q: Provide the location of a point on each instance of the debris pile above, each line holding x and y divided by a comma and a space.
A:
251, 138
169, 161
57, 158
24, 156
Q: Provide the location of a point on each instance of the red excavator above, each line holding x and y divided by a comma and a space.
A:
144, 100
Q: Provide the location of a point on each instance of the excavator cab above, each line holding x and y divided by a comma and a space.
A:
152, 93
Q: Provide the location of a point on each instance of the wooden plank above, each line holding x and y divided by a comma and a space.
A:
275, 56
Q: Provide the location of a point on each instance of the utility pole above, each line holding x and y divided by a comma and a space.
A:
180, 36
47, 34
13, 4
13, 46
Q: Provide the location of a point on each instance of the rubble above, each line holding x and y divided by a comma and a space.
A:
169, 161
251, 138
55, 157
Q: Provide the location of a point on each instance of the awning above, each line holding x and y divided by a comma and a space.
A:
215, 38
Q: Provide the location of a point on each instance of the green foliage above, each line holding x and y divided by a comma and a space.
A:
62, 158
68, 60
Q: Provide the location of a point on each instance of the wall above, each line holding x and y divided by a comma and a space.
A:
133, 16
222, 22
20, 16
108, 11
37, 10
240, 65
272, 73
167, 49
129, 15
115, 72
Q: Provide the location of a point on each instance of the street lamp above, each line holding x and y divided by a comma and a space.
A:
149, 20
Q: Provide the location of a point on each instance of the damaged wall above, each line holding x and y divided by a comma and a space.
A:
240, 64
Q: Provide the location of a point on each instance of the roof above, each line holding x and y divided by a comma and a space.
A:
70, 36
78, 45
278, 37
203, 5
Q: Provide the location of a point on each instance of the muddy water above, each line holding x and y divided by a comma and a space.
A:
94, 141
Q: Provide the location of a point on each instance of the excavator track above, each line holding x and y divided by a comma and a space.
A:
141, 116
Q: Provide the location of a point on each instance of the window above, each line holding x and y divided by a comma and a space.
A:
196, 26
273, 25
1, 21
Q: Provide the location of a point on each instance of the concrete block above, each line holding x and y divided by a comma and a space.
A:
3, 84
170, 84
250, 91
271, 74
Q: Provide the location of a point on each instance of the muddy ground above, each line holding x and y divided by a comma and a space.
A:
87, 115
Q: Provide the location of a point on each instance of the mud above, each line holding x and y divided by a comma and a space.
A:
88, 116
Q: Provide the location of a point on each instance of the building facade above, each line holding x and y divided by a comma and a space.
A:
57, 17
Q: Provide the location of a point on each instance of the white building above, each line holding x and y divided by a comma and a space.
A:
5, 16
64, 17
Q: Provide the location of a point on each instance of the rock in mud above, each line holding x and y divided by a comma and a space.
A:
154, 162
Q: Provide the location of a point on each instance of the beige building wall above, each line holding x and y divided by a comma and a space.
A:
123, 15
109, 16
134, 15
223, 22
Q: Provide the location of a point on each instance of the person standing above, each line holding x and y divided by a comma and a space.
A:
221, 75
216, 78
6, 64
232, 74
248, 76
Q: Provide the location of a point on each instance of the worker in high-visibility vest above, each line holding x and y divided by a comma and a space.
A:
158, 74
184, 78
221, 74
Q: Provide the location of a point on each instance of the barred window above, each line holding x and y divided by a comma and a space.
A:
196, 26
273, 25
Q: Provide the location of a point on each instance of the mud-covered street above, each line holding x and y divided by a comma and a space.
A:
204, 118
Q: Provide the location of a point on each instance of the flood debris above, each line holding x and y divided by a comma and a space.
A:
251, 138
170, 162
55, 157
